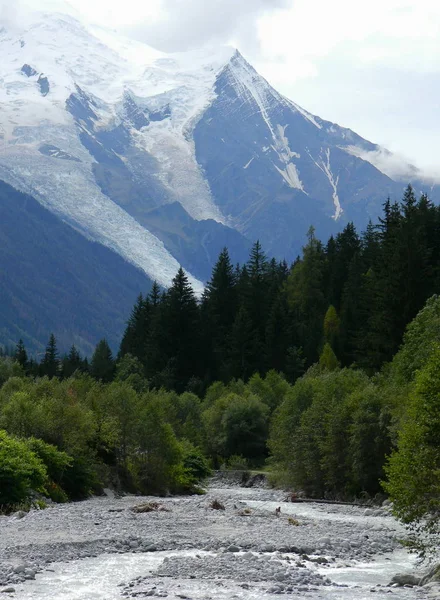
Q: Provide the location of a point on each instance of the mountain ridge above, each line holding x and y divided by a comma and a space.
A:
166, 158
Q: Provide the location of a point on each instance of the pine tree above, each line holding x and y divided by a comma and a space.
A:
133, 341
256, 301
50, 363
181, 330
242, 346
219, 307
278, 334
295, 363
306, 298
102, 367
21, 355
154, 358
72, 362
339, 256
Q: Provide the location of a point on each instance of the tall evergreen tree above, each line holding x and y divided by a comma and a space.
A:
21, 354
133, 341
219, 307
306, 298
50, 363
102, 367
242, 346
339, 256
278, 334
72, 362
181, 330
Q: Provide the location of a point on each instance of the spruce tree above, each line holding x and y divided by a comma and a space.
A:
242, 346
181, 330
278, 334
21, 355
219, 306
50, 363
102, 367
306, 298
72, 362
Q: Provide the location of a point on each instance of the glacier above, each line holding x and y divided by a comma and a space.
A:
154, 154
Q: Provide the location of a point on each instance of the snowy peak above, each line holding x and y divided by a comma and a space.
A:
159, 155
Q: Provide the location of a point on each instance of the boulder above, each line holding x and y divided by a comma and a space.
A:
402, 579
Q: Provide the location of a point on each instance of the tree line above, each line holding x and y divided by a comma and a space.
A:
345, 302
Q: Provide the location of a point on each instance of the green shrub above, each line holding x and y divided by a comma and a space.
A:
237, 463
21, 471
56, 493
413, 469
80, 479
55, 461
194, 462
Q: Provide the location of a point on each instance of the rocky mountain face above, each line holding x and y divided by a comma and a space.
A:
166, 158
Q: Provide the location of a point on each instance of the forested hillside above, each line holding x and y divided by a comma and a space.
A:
299, 368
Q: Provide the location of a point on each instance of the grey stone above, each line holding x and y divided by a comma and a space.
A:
405, 579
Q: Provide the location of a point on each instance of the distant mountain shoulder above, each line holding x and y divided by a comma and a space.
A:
53, 279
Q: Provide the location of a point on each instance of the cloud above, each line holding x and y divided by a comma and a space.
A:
17, 15
396, 165
9, 14
186, 24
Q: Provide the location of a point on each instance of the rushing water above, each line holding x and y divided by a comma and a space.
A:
105, 577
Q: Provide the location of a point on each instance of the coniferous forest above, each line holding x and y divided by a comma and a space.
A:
325, 371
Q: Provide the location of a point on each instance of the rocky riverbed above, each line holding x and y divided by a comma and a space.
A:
183, 548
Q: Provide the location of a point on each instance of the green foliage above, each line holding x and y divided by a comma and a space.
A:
129, 369
319, 436
420, 340
194, 463
332, 325
156, 465
271, 389
21, 471
245, 428
102, 366
328, 360
237, 463
414, 468
9, 368
56, 462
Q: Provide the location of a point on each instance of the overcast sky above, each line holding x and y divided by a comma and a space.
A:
372, 66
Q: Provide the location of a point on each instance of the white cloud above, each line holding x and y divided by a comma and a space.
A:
184, 24
395, 165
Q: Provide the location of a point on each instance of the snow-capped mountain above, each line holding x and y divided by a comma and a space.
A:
165, 158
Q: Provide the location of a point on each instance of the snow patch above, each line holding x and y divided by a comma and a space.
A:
108, 67
249, 163
71, 192
324, 166
305, 114
252, 87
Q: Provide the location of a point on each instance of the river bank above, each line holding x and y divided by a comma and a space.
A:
102, 549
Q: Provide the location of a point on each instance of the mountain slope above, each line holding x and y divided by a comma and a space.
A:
129, 130
52, 279
276, 169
